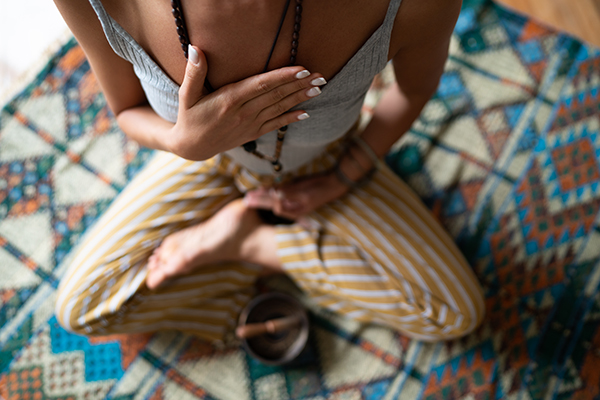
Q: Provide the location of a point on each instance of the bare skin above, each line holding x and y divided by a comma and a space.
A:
234, 233
236, 30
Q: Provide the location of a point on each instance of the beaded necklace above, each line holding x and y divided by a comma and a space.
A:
251, 146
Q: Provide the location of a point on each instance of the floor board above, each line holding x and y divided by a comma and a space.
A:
578, 17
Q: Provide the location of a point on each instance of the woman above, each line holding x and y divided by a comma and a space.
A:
182, 246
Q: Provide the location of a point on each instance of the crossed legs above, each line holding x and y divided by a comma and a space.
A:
179, 250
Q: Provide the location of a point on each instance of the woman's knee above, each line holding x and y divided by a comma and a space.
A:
76, 314
84, 304
438, 321
474, 312
454, 323
67, 301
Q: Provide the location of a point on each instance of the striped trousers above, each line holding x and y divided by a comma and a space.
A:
375, 255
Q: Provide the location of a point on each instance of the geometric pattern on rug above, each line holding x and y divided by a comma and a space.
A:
506, 154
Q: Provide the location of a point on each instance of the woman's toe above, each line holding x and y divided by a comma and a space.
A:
154, 279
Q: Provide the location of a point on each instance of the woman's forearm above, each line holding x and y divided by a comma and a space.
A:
393, 116
143, 125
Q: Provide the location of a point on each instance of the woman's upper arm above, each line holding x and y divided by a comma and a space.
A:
119, 83
421, 35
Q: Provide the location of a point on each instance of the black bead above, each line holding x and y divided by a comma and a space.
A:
294, 44
184, 47
297, 27
292, 60
298, 20
179, 22
295, 35
283, 128
182, 40
294, 52
175, 13
298, 9
250, 147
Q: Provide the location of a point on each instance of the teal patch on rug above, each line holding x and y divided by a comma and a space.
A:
506, 154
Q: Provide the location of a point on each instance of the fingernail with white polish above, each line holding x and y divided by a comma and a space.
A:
312, 92
303, 116
318, 81
302, 74
193, 55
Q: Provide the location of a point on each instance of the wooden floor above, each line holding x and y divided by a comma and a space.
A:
578, 17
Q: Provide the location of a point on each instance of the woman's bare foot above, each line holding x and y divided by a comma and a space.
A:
234, 233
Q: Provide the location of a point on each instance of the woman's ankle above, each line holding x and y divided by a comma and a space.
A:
260, 247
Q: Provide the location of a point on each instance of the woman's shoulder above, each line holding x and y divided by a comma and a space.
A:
116, 76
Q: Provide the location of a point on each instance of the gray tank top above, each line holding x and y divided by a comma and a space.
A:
332, 113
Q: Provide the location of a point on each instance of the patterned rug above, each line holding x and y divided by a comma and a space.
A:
506, 155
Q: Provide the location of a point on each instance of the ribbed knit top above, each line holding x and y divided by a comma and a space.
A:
332, 113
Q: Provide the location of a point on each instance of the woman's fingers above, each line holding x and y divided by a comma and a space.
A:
281, 121
271, 95
281, 107
283, 97
276, 201
271, 109
260, 198
259, 85
272, 199
192, 87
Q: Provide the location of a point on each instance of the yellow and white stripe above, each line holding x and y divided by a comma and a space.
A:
376, 255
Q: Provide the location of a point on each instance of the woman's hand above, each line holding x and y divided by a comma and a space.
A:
208, 124
298, 198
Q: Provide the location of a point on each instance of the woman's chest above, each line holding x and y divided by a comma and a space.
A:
237, 36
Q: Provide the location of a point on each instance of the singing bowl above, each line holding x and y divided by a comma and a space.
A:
277, 348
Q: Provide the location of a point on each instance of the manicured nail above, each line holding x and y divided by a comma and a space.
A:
193, 56
302, 74
318, 81
303, 116
312, 92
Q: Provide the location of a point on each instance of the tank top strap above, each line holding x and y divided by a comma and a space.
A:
393, 7
390, 18
127, 48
